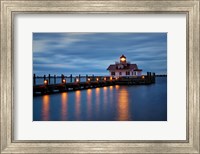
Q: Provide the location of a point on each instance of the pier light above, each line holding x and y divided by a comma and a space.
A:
88, 79
97, 79
64, 81
77, 80
111, 78
143, 77
105, 79
45, 82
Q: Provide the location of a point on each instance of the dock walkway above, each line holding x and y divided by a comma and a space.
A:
91, 83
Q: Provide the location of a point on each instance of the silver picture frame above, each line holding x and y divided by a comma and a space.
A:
9, 8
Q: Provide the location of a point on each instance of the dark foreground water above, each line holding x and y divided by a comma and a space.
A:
113, 103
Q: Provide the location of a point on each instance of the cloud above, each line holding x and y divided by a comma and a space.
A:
79, 53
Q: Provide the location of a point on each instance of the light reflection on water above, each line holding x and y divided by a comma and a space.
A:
123, 109
64, 99
89, 102
105, 98
45, 107
121, 103
117, 86
111, 94
78, 103
97, 99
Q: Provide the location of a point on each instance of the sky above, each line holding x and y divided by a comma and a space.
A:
92, 53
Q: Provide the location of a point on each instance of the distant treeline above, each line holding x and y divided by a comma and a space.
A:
161, 75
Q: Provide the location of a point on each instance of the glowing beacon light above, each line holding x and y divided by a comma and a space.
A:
105, 79
45, 82
97, 79
122, 58
111, 78
143, 77
77, 80
88, 79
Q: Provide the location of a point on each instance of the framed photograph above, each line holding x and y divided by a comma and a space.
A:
99, 76
109, 91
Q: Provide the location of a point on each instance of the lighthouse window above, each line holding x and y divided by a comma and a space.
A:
120, 66
112, 73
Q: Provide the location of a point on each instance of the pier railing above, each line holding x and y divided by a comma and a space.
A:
40, 80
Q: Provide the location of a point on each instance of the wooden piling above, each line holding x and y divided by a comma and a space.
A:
62, 77
71, 78
86, 77
79, 78
34, 79
54, 79
154, 77
49, 78
148, 78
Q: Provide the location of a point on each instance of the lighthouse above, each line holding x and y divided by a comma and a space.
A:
124, 68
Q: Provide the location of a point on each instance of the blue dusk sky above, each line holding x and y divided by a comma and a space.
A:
91, 53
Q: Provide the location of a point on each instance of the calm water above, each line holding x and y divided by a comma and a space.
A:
135, 103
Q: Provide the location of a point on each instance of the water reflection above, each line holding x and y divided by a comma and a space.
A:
105, 97
45, 107
123, 104
64, 99
111, 103
78, 103
89, 101
117, 87
105, 94
97, 98
111, 94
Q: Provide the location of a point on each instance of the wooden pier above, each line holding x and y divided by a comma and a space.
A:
90, 82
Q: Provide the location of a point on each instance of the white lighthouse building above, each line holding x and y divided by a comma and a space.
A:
124, 69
